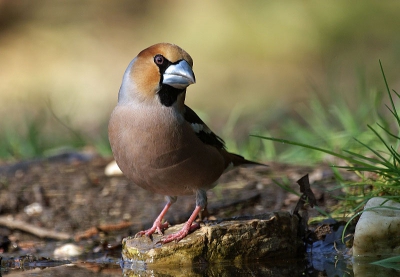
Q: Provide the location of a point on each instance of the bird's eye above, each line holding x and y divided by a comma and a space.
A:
158, 59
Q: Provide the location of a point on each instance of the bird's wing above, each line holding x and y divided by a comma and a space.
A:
208, 137
202, 131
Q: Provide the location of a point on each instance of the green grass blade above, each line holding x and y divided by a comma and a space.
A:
285, 141
380, 138
390, 95
398, 95
396, 157
321, 211
388, 132
286, 187
371, 160
392, 262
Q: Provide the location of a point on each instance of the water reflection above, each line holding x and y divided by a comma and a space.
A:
299, 267
115, 267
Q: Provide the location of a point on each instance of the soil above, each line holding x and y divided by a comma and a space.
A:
70, 194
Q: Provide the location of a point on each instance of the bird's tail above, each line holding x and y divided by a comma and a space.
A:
239, 160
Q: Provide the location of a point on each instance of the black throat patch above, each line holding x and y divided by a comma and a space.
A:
168, 95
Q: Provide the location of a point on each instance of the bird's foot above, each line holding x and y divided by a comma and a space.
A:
181, 234
157, 227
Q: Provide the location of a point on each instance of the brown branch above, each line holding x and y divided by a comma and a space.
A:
92, 231
13, 224
115, 227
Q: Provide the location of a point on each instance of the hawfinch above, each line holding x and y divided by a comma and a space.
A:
160, 143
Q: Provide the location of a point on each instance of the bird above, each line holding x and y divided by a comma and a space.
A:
161, 144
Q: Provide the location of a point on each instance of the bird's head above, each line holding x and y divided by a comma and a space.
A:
160, 73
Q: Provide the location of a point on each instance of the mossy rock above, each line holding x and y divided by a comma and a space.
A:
234, 240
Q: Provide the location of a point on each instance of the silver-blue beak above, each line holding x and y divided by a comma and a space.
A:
179, 75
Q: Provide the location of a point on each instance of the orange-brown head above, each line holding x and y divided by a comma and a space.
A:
161, 72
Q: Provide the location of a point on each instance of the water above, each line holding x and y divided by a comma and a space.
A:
113, 266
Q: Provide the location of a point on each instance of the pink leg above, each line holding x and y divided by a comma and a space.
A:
157, 225
185, 229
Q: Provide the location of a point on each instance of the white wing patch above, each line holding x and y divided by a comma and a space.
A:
197, 127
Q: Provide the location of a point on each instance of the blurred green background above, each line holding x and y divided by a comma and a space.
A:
256, 63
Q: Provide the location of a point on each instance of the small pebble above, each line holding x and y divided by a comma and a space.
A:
112, 169
33, 209
68, 250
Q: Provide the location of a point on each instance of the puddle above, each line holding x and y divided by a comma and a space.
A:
31, 266
75, 269
113, 266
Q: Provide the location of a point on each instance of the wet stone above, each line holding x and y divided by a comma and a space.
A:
378, 229
238, 240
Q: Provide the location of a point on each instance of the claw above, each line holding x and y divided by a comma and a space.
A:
157, 227
188, 227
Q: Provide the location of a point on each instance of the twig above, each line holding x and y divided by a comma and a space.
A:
92, 231
11, 223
